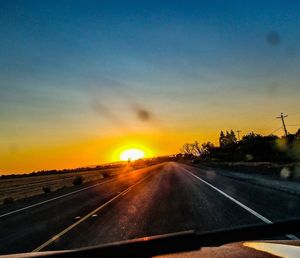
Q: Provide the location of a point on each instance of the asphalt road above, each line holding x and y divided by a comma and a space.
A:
161, 199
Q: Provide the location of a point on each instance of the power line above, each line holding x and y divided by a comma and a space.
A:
275, 130
282, 117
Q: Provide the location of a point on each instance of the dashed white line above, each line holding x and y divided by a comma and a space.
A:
53, 199
57, 236
56, 198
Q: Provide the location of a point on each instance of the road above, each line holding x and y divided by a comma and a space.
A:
164, 198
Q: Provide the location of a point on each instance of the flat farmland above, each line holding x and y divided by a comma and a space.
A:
23, 187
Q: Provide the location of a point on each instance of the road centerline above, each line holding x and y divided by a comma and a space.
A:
58, 197
55, 198
54, 238
253, 212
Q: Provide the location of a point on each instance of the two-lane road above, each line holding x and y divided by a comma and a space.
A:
167, 198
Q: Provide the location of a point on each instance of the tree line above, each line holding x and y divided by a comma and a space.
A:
252, 147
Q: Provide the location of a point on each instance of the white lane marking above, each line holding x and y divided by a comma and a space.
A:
53, 199
256, 214
56, 198
57, 236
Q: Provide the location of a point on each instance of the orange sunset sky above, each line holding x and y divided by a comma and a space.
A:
81, 83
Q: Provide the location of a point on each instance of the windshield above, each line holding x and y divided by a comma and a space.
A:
129, 119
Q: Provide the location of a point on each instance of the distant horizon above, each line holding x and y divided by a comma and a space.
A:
76, 167
116, 161
80, 81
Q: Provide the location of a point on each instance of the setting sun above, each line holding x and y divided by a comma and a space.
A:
132, 154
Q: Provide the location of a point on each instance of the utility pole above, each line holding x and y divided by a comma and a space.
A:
283, 123
238, 133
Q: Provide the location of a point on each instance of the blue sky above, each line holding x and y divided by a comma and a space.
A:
196, 66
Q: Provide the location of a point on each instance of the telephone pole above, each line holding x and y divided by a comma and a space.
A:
238, 133
283, 123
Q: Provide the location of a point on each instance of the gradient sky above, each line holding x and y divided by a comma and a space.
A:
80, 80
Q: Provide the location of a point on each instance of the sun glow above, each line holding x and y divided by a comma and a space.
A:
132, 154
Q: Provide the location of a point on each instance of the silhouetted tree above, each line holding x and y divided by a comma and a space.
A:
227, 139
207, 147
186, 149
222, 139
232, 137
197, 150
252, 147
258, 147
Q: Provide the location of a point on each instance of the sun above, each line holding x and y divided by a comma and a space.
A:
132, 154
130, 151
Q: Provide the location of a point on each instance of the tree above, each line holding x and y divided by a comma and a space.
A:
227, 139
260, 148
197, 150
187, 149
222, 139
232, 137
252, 147
206, 148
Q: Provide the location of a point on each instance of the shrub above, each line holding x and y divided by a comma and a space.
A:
8, 200
46, 189
78, 180
106, 174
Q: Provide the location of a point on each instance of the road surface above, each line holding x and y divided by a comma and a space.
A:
164, 198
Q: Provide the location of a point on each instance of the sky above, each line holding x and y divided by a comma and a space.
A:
82, 80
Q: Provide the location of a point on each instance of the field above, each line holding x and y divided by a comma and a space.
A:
22, 187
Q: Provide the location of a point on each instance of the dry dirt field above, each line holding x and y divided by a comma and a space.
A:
18, 188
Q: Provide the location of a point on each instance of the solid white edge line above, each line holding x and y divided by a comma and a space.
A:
53, 199
54, 238
253, 212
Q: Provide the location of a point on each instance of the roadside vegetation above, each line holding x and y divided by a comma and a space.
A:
254, 154
78, 180
46, 189
252, 147
64, 171
15, 188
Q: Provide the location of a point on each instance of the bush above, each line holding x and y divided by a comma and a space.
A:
106, 174
78, 180
46, 189
8, 200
